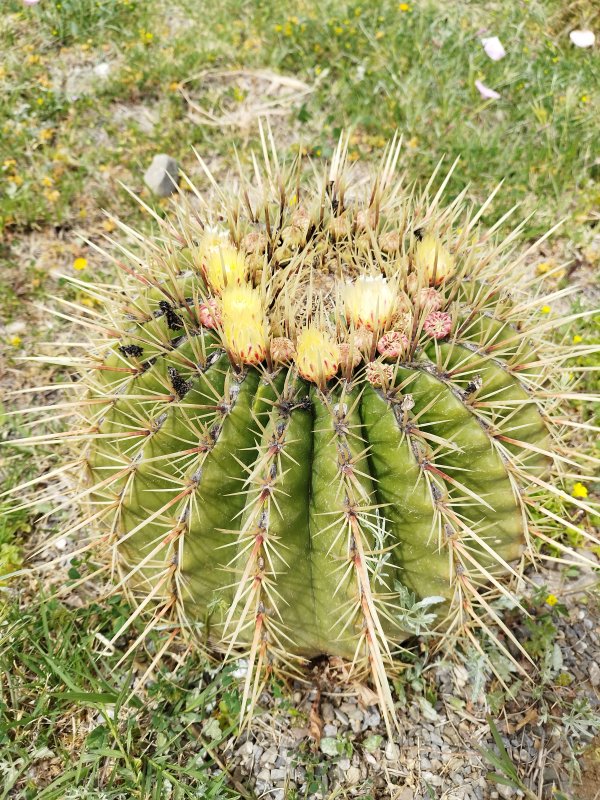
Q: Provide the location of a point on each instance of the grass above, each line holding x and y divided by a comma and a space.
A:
68, 727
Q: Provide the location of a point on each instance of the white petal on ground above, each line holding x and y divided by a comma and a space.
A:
493, 48
486, 92
102, 70
582, 38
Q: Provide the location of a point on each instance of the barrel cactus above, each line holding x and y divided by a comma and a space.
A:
307, 409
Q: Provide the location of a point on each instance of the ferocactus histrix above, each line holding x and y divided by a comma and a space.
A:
294, 417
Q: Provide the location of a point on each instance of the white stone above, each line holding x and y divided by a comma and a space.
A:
161, 177
582, 38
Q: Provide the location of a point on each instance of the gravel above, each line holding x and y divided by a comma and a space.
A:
434, 754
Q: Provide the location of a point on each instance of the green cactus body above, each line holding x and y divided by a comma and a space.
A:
266, 454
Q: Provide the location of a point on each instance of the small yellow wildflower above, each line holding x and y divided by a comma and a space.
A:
51, 195
46, 181
404, 7
379, 35
577, 339
546, 309
40, 101
551, 600
543, 267
108, 225
579, 490
585, 98
15, 341
46, 134
9, 163
80, 263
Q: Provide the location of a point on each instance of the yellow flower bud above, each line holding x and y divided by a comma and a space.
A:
432, 258
244, 324
221, 262
318, 356
369, 302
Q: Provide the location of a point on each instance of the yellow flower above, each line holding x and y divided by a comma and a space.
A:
318, 356
15, 341
545, 309
404, 7
543, 267
577, 339
432, 258
51, 195
551, 600
221, 262
244, 323
579, 490
369, 302
46, 181
585, 98
80, 263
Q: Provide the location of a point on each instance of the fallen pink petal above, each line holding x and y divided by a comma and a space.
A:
30, 2
485, 91
493, 48
583, 38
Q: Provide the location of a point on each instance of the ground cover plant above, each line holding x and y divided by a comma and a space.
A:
61, 159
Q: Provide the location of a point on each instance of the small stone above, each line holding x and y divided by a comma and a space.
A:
278, 775
330, 730
353, 775
406, 794
392, 751
327, 712
594, 674
162, 176
341, 716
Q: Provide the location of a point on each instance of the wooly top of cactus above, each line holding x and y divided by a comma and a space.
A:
294, 420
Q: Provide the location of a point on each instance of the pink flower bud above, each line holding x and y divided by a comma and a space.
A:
210, 314
392, 344
430, 299
438, 324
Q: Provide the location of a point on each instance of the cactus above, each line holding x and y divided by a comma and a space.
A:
300, 408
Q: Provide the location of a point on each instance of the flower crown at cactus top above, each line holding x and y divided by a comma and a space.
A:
394, 298
303, 408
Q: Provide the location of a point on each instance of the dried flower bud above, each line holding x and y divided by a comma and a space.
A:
365, 219
438, 324
379, 374
350, 356
282, 350
390, 242
255, 242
